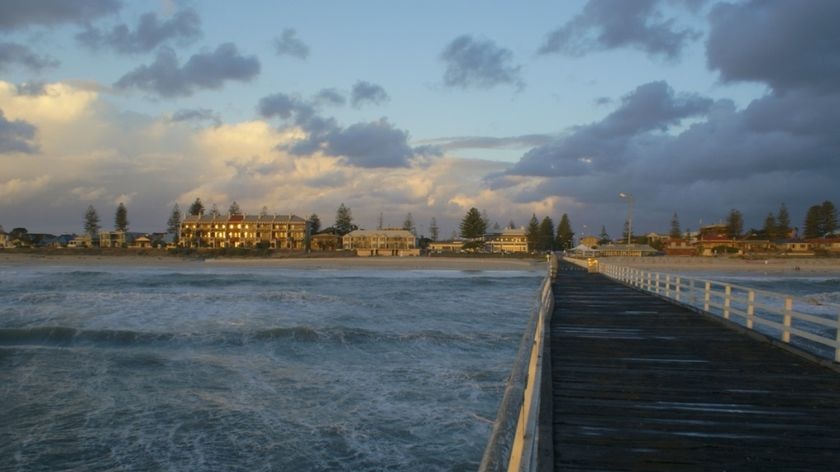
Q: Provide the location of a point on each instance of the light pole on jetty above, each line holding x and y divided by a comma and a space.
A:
629, 199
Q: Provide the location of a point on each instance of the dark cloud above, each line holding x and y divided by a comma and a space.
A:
651, 107
478, 63
31, 88
209, 70
288, 44
197, 114
608, 24
16, 136
330, 96
184, 27
22, 13
366, 92
786, 45
374, 144
18, 54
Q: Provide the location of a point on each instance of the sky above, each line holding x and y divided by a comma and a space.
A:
693, 107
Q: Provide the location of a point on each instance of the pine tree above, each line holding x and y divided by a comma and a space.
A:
511, 225
675, 233
829, 217
433, 229
343, 220
314, 223
604, 238
771, 227
546, 238
381, 222
234, 209
173, 224
91, 222
565, 235
813, 220
196, 208
408, 224
783, 222
532, 233
214, 211
473, 225
734, 224
121, 218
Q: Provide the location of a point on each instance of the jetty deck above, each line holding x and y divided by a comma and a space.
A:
639, 383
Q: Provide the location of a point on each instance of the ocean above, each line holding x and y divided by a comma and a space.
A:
211, 368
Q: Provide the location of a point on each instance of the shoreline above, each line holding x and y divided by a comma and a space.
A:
314, 263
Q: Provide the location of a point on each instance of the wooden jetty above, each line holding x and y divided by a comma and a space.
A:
638, 383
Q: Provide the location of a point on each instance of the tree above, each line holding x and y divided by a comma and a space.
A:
546, 238
196, 208
812, 222
511, 225
625, 235
234, 209
121, 218
675, 233
381, 222
604, 238
173, 225
214, 211
532, 233
783, 222
408, 224
565, 235
771, 227
433, 229
473, 225
829, 217
734, 224
91, 222
314, 223
820, 220
343, 220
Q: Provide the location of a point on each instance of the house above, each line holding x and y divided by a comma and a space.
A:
81, 241
141, 242
325, 242
795, 247
679, 247
631, 250
455, 245
589, 241
831, 245
112, 239
384, 242
4, 239
508, 241
270, 231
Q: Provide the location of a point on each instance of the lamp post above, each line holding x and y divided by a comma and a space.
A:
629, 199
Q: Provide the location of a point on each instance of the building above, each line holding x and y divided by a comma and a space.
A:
510, 240
81, 241
455, 245
325, 242
631, 250
589, 241
266, 231
112, 239
4, 239
384, 242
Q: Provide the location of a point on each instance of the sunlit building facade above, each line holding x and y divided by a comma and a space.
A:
248, 231
385, 242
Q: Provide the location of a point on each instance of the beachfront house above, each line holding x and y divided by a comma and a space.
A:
589, 241
249, 231
452, 245
508, 241
383, 242
112, 239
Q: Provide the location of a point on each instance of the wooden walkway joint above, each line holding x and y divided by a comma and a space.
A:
642, 384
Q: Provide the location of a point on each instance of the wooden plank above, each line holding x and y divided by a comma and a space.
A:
641, 384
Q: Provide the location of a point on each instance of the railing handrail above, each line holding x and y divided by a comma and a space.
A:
514, 438
682, 289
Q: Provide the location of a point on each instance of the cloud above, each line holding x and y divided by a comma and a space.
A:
18, 54
23, 13
366, 92
31, 88
16, 136
787, 45
209, 70
604, 144
330, 96
374, 144
606, 24
183, 27
196, 114
479, 64
288, 44
490, 142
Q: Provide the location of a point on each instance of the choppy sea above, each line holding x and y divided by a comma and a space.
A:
209, 368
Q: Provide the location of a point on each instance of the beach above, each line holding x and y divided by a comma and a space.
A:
407, 263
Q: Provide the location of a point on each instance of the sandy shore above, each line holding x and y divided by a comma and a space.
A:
407, 263
725, 265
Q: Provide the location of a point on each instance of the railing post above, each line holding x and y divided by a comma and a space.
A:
707, 296
667, 285
786, 321
678, 287
837, 339
693, 291
657, 282
647, 287
727, 300
750, 308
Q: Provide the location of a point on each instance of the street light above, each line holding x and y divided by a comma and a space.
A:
629, 199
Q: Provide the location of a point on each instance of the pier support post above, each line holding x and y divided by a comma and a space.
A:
750, 308
727, 300
786, 321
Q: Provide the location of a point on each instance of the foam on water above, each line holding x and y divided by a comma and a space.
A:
216, 368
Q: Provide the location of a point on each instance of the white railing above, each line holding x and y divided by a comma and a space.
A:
515, 438
772, 314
